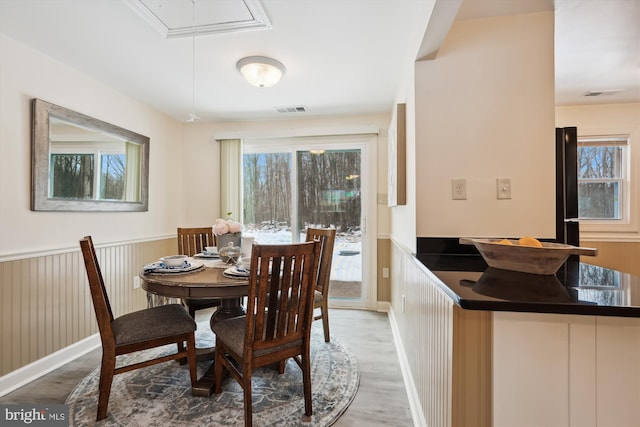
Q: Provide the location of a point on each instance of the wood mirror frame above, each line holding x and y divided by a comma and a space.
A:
86, 133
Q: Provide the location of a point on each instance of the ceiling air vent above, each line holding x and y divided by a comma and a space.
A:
293, 109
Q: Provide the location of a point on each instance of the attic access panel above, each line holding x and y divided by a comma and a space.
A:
175, 18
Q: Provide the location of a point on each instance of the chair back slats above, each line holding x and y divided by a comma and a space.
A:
101, 304
326, 237
195, 239
280, 299
131, 332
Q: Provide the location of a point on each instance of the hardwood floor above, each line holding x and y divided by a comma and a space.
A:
381, 399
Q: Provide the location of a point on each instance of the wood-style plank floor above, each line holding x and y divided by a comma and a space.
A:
381, 399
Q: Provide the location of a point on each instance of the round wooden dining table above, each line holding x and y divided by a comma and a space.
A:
207, 283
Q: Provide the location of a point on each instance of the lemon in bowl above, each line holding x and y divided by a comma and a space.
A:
529, 241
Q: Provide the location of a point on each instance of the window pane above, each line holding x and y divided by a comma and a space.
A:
112, 175
267, 196
598, 200
330, 189
596, 162
72, 176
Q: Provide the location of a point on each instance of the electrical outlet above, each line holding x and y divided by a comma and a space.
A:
385, 272
503, 188
136, 282
459, 189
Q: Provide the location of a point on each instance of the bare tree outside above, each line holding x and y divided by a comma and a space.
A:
72, 176
286, 192
267, 188
329, 190
599, 181
112, 176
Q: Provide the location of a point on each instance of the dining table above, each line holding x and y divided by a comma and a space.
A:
205, 279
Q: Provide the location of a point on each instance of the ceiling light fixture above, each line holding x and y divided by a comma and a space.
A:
261, 71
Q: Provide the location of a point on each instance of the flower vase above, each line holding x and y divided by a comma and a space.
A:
223, 240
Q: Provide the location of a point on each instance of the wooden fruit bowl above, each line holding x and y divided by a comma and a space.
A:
527, 259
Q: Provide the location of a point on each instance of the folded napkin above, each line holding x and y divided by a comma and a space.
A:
161, 266
241, 270
207, 255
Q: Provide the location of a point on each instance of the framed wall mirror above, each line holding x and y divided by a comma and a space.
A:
79, 163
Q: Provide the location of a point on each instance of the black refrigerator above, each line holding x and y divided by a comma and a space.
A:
567, 227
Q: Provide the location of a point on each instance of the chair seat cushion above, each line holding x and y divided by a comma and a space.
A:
231, 332
152, 323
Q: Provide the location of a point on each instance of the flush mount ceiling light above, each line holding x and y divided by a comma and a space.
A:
261, 71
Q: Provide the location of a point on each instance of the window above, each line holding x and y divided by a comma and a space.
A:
603, 179
87, 173
322, 181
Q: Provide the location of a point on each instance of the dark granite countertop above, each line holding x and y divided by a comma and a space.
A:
577, 288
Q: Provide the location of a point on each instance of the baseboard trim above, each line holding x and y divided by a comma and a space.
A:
383, 306
40, 367
412, 393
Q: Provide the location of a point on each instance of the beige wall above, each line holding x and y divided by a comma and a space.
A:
27, 74
202, 165
484, 110
619, 250
43, 292
610, 119
622, 256
45, 303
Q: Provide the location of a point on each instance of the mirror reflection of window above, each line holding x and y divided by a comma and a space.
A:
71, 176
79, 163
89, 165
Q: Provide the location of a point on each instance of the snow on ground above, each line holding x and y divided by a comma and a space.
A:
347, 251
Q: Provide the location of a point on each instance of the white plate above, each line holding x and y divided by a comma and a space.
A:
234, 272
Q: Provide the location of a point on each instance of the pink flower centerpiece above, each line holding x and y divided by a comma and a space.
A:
227, 231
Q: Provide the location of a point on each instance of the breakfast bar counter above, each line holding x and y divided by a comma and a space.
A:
577, 288
494, 347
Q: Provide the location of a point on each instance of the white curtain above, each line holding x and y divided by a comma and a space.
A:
132, 172
231, 178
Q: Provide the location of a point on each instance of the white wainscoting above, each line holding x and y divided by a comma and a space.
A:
447, 350
45, 303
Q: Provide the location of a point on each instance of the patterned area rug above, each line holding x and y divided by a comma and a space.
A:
160, 395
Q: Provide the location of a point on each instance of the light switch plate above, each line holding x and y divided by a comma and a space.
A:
503, 188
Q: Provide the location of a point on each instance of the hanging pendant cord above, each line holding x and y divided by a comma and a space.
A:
192, 116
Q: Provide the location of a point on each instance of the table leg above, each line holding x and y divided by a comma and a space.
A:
231, 307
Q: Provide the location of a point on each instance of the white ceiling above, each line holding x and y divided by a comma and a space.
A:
342, 56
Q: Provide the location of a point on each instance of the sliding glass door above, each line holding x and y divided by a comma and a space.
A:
311, 184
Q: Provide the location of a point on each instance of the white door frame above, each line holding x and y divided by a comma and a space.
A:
368, 150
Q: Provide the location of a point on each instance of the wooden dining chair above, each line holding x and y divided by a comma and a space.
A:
191, 241
327, 238
277, 325
139, 330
